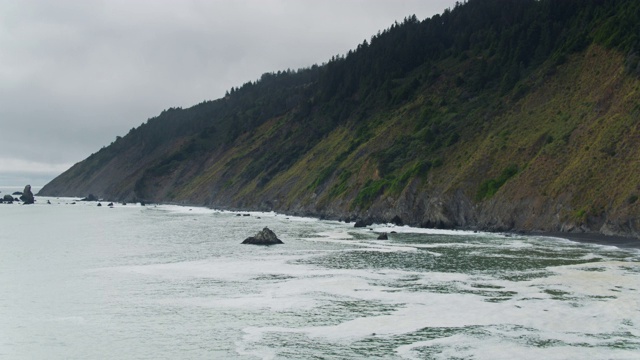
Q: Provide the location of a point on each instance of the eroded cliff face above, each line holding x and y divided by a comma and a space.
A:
564, 155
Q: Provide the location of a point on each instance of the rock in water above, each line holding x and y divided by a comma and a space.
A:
363, 223
8, 198
383, 236
91, 197
264, 237
27, 195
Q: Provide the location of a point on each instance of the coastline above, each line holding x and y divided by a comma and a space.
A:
619, 241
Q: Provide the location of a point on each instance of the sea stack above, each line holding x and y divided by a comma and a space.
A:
264, 237
27, 196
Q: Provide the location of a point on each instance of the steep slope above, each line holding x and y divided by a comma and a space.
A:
524, 117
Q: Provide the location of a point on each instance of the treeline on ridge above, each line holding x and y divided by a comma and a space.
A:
447, 77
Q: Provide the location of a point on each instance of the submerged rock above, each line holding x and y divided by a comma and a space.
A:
383, 236
27, 196
264, 237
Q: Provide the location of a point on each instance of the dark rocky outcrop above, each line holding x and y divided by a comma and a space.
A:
361, 223
91, 197
397, 221
383, 236
8, 198
27, 196
264, 237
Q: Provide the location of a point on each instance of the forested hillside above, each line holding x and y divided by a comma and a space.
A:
501, 115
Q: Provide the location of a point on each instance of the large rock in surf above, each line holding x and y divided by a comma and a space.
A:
91, 197
264, 237
360, 223
8, 198
27, 196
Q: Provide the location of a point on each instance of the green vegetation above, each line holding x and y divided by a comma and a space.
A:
489, 188
371, 190
341, 186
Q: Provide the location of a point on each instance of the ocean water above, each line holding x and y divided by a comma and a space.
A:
169, 282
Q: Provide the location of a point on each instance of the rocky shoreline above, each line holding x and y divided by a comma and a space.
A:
584, 237
578, 234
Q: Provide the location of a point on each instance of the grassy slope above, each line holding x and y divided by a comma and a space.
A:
573, 137
568, 133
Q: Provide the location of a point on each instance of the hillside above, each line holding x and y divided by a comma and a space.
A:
500, 115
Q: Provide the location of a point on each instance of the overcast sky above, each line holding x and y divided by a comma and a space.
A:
75, 74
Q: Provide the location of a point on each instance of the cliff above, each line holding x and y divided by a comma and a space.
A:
517, 115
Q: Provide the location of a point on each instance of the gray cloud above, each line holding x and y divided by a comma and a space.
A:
75, 74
